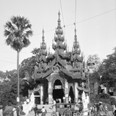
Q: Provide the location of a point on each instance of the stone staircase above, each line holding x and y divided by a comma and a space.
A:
33, 114
49, 108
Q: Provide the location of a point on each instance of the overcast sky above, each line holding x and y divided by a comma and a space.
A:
96, 25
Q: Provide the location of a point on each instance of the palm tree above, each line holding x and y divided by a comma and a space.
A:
17, 32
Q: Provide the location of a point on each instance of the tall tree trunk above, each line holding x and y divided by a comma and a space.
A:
18, 84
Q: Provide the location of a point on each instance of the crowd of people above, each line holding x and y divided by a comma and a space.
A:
102, 109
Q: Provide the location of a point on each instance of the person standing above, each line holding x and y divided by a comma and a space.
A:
43, 111
69, 99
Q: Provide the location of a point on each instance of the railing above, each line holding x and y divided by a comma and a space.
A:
66, 109
65, 105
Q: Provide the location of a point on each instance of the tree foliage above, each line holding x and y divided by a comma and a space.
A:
8, 90
27, 65
26, 73
108, 69
93, 63
106, 73
17, 31
36, 51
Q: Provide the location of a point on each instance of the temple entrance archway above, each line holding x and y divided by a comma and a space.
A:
58, 91
71, 95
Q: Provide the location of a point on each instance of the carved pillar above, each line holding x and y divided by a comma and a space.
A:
41, 94
76, 92
50, 98
66, 91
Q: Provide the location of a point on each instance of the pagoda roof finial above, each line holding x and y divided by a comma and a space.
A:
59, 19
59, 15
75, 31
60, 45
43, 44
76, 47
43, 36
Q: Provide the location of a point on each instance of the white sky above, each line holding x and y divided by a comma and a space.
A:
96, 27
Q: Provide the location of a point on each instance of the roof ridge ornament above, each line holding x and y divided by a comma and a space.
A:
59, 21
60, 45
75, 35
75, 31
76, 48
43, 40
75, 43
43, 45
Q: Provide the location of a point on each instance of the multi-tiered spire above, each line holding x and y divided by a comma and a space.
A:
43, 51
76, 49
59, 45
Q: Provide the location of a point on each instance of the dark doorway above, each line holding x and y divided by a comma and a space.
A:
71, 94
37, 97
58, 92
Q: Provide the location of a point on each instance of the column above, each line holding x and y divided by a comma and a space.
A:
76, 92
50, 98
41, 94
83, 98
66, 91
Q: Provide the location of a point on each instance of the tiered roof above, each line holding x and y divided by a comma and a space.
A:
59, 46
43, 51
76, 49
69, 64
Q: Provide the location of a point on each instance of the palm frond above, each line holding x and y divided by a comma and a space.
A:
10, 26
18, 33
7, 33
26, 21
16, 45
28, 26
9, 40
28, 33
15, 21
26, 42
21, 21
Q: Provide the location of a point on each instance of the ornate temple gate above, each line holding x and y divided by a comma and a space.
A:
60, 88
55, 88
62, 71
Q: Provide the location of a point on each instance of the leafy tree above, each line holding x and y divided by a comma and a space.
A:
27, 65
26, 73
2, 76
93, 63
108, 70
17, 32
8, 90
106, 74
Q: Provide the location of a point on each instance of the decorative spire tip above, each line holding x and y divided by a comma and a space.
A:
59, 14
43, 35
